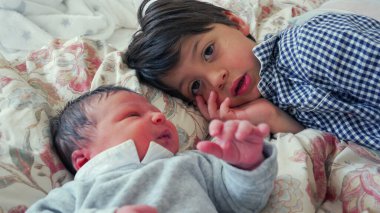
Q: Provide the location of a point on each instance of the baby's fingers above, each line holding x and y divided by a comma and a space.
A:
138, 208
247, 131
264, 129
229, 130
215, 127
210, 148
223, 131
244, 129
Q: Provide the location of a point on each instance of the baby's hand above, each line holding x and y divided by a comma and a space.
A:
211, 110
238, 142
139, 208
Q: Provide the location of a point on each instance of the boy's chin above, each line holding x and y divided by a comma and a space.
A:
244, 101
240, 103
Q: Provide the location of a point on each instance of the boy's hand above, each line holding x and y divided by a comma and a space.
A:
238, 142
211, 110
257, 111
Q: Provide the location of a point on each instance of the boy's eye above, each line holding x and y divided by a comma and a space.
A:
207, 54
195, 87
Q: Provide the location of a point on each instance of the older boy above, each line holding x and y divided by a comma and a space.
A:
122, 155
325, 73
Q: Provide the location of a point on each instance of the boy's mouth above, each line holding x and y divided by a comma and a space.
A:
241, 85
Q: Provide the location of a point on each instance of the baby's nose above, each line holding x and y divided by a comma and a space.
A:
158, 118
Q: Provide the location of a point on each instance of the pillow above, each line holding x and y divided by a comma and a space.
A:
33, 90
30, 93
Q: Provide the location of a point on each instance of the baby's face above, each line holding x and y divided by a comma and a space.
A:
125, 115
219, 60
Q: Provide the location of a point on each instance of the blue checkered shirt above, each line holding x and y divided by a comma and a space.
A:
326, 74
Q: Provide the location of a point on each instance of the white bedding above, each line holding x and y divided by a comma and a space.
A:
29, 24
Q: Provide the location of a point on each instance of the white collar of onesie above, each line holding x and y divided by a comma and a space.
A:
121, 155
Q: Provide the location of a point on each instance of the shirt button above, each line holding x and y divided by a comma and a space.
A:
292, 111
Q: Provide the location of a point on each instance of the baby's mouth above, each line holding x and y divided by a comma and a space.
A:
164, 137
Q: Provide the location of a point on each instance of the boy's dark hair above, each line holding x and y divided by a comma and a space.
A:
155, 48
71, 128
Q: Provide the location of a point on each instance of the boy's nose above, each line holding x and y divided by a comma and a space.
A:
158, 117
220, 80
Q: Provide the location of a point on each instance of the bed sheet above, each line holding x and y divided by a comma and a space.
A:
29, 24
316, 172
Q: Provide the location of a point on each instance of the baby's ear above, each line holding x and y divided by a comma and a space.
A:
79, 157
241, 24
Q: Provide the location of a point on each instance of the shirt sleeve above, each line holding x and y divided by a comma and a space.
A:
61, 200
337, 52
330, 71
57, 200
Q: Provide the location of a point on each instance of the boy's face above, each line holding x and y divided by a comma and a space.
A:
125, 115
219, 60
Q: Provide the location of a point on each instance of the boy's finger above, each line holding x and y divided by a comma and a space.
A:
225, 108
212, 105
202, 106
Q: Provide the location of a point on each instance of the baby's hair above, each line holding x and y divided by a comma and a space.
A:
155, 48
71, 128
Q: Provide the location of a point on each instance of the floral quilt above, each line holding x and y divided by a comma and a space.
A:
317, 173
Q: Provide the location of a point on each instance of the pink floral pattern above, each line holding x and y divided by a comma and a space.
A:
317, 171
29, 92
359, 188
286, 195
78, 63
322, 148
18, 209
4, 81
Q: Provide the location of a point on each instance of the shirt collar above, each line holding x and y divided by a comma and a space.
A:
266, 53
121, 155
265, 50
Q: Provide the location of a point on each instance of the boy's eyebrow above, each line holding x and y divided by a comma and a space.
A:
195, 47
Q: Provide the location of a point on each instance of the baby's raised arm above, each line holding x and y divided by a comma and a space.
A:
238, 142
139, 208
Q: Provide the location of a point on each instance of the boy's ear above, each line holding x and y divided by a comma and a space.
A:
241, 24
79, 157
